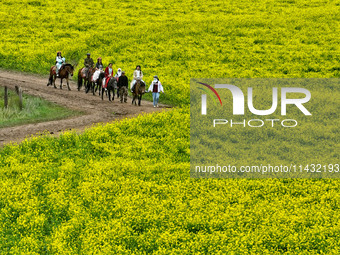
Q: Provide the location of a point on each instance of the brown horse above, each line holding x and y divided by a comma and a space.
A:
64, 72
87, 78
138, 92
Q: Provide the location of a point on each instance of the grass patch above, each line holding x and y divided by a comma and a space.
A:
35, 109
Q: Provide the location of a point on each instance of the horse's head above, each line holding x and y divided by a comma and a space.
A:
101, 76
141, 87
69, 68
113, 82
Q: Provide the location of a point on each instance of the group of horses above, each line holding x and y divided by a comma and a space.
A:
66, 71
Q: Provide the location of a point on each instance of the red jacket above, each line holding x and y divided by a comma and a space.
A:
107, 72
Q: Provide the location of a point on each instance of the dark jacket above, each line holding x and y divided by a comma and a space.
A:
88, 62
99, 65
123, 81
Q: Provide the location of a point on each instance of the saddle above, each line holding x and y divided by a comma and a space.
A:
107, 81
54, 70
82, 72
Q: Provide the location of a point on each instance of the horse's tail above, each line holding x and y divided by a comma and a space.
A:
80, 80
50, 80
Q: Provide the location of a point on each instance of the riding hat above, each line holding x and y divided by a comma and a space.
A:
88, 54
155, 76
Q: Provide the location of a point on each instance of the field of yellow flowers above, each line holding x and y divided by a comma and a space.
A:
124, 188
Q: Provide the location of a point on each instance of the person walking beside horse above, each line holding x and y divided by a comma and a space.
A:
155, 87
118, 74
123, 84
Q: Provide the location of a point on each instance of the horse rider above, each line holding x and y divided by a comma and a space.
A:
88, 63
123, 84
155, 88
59, 61
99, 69
137, 76
108, 75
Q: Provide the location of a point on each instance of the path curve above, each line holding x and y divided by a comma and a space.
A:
95, 110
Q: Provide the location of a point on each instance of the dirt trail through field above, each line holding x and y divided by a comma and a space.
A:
95, 110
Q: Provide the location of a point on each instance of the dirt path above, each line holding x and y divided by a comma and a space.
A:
95, 110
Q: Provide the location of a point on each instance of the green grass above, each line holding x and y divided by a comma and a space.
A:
35, 109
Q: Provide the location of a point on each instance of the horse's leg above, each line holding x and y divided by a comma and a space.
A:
113, 93
87, 86
61, 83
68, 85
80, 81
54, 78
139, 99
102, 93
50, 80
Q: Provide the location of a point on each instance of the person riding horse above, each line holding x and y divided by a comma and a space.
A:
108, 75
88, 63
138, 92
99, 69
65, 71
137, 76
86, 73
59, 61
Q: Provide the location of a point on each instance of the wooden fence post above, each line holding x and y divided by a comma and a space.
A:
18, 90
6, 97
20, 99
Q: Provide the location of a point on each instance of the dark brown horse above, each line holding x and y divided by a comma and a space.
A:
64, 72
138, 92
111, 86
87, 78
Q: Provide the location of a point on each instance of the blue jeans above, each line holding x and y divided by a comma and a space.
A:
155, 97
